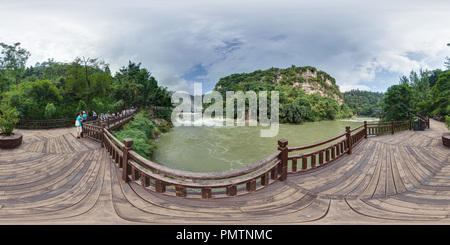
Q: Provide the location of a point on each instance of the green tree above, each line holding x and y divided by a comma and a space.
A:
32, 98
297, 111
398, 103
420, 87
87, 79
4, 83
49, 111
441, 95
134, 85
14, 60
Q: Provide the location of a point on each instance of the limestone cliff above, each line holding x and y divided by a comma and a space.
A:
310, 80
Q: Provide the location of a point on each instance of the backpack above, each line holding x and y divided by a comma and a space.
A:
77, 123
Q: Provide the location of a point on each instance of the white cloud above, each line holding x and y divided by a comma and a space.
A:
360, 43
348, 87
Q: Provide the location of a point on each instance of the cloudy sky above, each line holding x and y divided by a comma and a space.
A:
362, 44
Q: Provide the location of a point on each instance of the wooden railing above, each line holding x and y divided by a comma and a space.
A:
388, 127
65, 123
45, 124
323, 152
161, 179
94, 129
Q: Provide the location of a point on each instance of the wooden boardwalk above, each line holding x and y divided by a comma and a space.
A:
54, 178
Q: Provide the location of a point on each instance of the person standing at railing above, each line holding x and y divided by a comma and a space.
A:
78, 123
94, 116
84, 116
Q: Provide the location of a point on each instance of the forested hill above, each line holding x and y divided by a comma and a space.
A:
307, 78
305, 94
364, 103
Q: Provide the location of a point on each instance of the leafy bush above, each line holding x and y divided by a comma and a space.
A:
8, 119
398, 104
49, 111
141, 144
140, 129
298, 111
143, 123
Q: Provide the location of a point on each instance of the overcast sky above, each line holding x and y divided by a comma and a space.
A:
362, 44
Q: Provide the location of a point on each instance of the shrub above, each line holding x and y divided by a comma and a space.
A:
140, 129
143, 123
8, 119
49, 110
141, 144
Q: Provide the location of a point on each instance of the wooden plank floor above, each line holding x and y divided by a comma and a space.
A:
54, 178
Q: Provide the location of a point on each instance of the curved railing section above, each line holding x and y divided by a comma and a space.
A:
326, 151
155, 177
277, 166
162, 179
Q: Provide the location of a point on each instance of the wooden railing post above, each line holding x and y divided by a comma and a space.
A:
102, 135
128, 147
349, 140
365, 129
410, 124
392, 126
282, 146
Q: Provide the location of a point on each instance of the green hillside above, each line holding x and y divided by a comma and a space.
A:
305, 94
364, 103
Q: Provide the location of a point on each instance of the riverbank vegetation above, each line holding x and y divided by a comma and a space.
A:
296, 106
140, 129
143, 131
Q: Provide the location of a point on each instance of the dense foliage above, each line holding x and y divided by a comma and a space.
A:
399, 102
140, 129
296, 106
60, 89
364, 103
426, 92
440, 96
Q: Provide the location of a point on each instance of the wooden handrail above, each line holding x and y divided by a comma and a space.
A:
203, 176
62, 123
137, 167
297, 148
219, 183
159, 178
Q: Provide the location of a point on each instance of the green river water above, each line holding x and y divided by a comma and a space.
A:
214, 149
